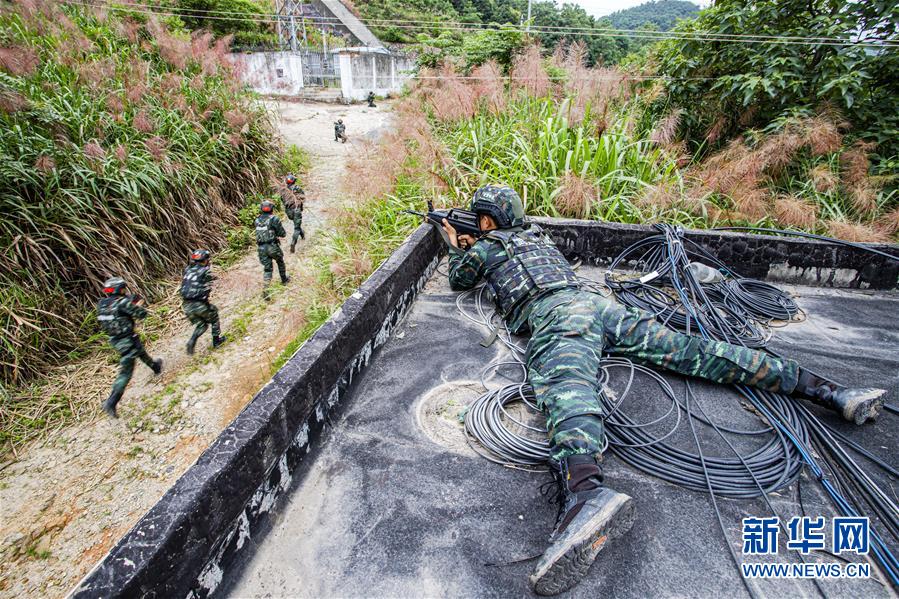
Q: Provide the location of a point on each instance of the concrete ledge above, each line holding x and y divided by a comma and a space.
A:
180, 546
787, 259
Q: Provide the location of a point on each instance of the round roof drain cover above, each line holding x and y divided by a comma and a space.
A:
437, 414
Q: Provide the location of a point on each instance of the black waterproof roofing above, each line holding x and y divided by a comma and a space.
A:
393, 504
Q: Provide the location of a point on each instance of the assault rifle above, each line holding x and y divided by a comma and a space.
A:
464, 222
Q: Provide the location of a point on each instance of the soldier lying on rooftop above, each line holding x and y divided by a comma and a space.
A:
536, 290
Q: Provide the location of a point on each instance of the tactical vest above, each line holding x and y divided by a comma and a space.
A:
114, 323
534, 265
264, 231
194, 285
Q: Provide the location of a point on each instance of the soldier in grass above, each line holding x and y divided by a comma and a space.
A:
269, 231
293, 197
116, 313
536, 291
196, 285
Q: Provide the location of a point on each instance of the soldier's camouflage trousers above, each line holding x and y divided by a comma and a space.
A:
297, 229
267, 253
202, 314
569, 331
129, 348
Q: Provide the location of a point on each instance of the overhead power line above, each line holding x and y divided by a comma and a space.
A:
439, 23
547, 30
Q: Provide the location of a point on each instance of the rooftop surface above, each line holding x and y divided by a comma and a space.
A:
393, 502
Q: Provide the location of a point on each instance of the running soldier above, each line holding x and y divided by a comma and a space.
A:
116, 313
196, 285
293, 197
268, 231
340, 131
537, 291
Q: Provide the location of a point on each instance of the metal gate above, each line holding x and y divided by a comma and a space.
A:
320, 69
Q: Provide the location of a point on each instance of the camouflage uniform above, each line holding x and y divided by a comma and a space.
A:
570, 329
293, 199
268, 230
195, 289
339, 131
116, 315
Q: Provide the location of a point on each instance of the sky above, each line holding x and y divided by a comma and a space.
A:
601, 8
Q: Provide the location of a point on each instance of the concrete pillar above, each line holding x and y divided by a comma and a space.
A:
374, 73
346, 76
393, 73
299, 58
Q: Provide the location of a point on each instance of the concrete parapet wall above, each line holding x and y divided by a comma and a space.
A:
787, 259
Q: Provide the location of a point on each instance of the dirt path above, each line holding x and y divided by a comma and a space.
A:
67, 500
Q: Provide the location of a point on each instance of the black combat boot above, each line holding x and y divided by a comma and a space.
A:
157, 366
293, 248
216, 341
855, 404
111, 402
590, 516
302, 234
285, 280
191, 344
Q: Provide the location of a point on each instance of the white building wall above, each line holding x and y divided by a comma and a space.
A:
362, 71
274, 73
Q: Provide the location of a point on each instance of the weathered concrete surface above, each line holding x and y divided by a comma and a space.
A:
383, 510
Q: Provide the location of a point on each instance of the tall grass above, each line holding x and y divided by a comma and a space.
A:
533, 147
122, 146
592, 144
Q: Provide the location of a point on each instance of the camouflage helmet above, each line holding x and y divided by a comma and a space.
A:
114, 286
501, 203
199, 256
267, 207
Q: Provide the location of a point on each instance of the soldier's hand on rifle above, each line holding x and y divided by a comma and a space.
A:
451, 233
466, 241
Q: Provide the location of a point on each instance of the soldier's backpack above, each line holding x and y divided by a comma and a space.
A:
264, 231
194, 285
111, 321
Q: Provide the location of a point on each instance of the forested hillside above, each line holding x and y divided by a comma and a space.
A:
661, 15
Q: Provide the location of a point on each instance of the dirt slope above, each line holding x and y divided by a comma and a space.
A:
67, 500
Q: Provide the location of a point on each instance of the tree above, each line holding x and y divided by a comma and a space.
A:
739, 83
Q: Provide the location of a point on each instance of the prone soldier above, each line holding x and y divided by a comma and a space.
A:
293, 198
536, 290
116, 313
268, 232
196, 285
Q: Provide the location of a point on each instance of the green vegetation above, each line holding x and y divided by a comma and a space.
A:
123, 145
660, 15
725, 87
247, 21
534, 147
592, 143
